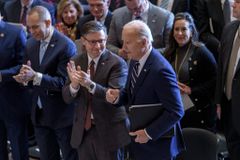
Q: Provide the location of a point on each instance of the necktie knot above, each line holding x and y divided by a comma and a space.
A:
24, 14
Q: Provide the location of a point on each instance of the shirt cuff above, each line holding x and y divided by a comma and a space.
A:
92, 89
73, 91
147, 134
37, 79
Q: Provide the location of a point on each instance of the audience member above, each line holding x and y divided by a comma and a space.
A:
47, 53
227, 89
196, 69
159, 20
99, 12
99, 129
151, 80
14, 109
16, 10
68, 15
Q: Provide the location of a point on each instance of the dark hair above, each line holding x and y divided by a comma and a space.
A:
92, 26
172, 46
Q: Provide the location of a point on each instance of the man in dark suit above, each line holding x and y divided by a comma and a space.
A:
228, 86
159, 21
175, 6
152, 82
209, 19
99, 129
14, 107
99, 12
14, 10
47, 54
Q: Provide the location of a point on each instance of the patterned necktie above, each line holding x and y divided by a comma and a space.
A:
134, 76
226, 11
164, 4
42, 50
231, 67
24, 14
88, 121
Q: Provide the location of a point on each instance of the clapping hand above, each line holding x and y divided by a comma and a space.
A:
26, 74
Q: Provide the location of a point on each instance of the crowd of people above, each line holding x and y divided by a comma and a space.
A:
76, 68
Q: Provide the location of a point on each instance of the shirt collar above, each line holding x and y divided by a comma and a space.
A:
95, 59
144, 58
28, 6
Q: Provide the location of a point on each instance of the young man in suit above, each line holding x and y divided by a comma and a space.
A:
152, 82
99, 130
228, 86
14, 10
159, 21
14, 108
47, 53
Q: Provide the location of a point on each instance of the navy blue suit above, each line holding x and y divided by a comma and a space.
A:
55, 115
157, 83
13, 10
14, 108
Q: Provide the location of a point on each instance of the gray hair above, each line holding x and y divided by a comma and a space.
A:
42, 12
141, 29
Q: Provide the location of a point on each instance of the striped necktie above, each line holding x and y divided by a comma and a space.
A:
134, 76
164, 4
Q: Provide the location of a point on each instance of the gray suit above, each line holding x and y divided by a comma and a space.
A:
110, 122
159, 21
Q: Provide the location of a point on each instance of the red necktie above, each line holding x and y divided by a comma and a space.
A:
24, 14
88, 121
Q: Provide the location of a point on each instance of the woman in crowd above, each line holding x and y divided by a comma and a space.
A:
68, 14
195, 68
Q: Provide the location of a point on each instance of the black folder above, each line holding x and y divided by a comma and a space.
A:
141, 116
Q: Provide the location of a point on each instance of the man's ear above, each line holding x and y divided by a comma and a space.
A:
48, 23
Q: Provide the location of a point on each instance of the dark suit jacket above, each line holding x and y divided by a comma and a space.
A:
13, 97
90, 17
202, 70
157, 84
209, 20
178, 5
224, 56
13, 10
55, 113
111, 72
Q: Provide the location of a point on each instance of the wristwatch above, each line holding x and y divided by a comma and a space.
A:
91, 87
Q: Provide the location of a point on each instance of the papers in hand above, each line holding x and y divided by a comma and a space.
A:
187, 102
141, 116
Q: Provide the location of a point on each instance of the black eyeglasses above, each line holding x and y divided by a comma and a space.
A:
94, 42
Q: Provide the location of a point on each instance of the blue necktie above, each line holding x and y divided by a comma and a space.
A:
42, 50
134, 76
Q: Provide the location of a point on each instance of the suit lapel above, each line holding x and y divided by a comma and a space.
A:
152, 17
143, 74
100, 66
227, 51
50, 49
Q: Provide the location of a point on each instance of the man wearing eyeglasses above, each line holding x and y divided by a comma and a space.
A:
47, 53
158, 19
99, 129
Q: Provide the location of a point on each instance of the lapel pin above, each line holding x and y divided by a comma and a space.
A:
52, 45
103, 63
153, 21
145, 70
195, 62
2, 35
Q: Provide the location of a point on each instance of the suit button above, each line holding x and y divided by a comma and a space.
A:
195, 99
190, 59
190, 68
199, 110
202, 121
